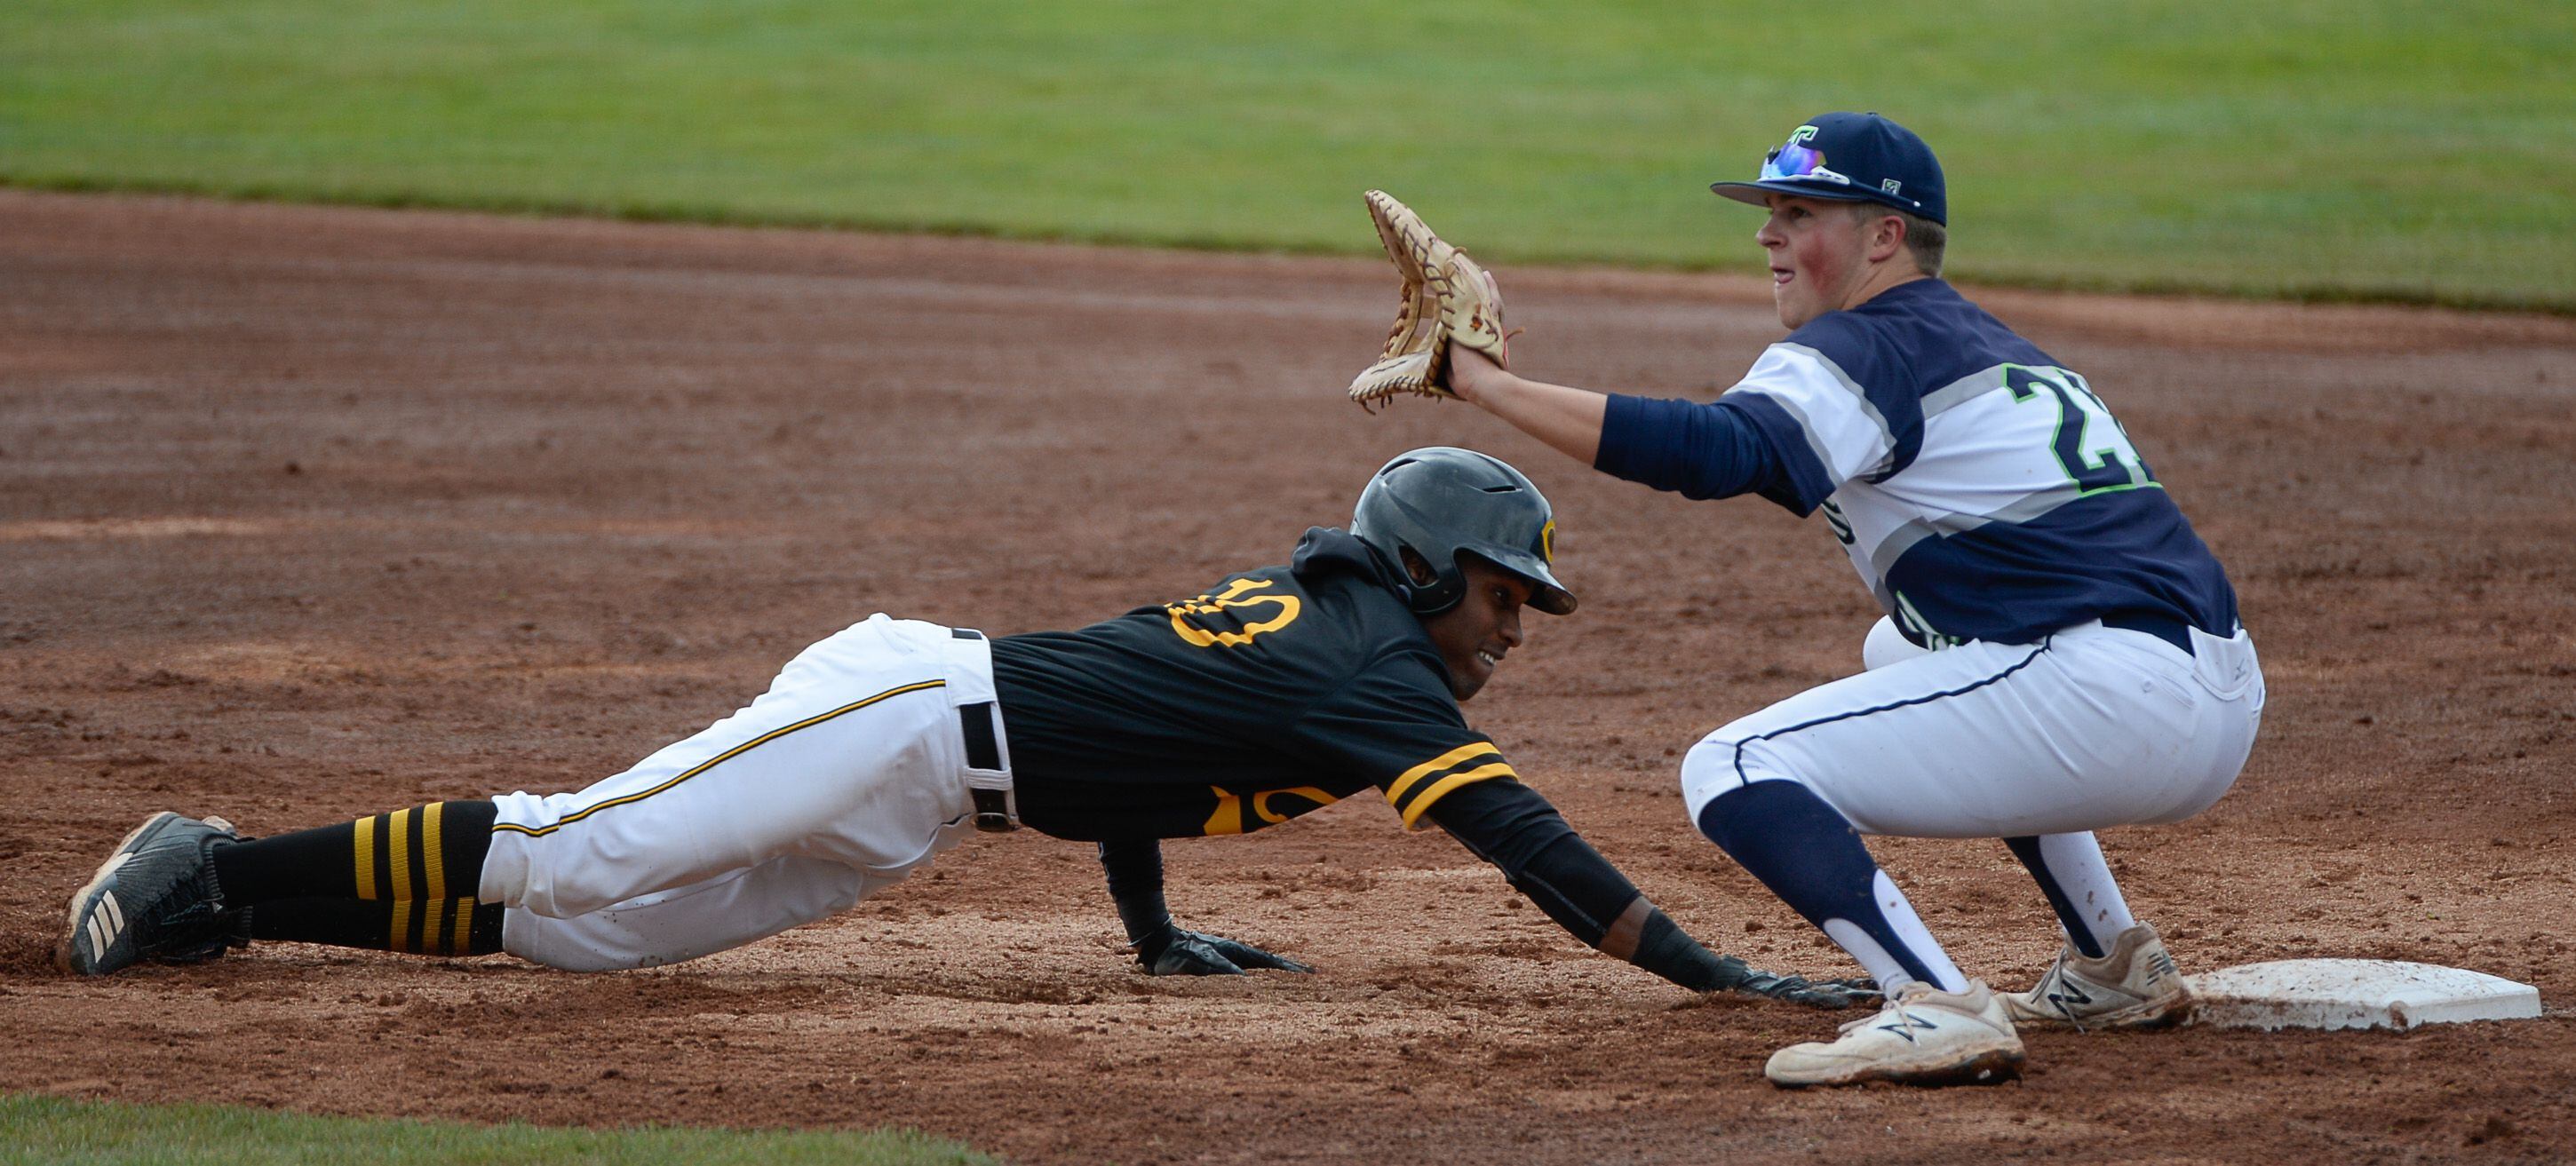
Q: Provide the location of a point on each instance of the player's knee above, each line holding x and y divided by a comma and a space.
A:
1722, 761
1727, 760
1707, 768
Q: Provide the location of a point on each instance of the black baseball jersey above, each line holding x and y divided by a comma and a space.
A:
1278, 691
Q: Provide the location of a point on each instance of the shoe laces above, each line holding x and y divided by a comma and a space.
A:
1895, 1004
193, 910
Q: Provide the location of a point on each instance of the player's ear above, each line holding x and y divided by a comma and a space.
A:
1886, 237
1418, 567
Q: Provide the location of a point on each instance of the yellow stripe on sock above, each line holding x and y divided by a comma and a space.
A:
434, 862
398, 861
398, 851
365, 829
461, 941
431, 853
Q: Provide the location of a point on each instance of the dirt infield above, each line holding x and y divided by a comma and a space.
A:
306, 514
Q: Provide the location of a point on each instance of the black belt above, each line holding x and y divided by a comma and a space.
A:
983, 751
2162, 627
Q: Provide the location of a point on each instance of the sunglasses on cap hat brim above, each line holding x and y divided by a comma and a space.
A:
1799, 170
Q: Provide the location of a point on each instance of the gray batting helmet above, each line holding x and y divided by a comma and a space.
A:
1440, 503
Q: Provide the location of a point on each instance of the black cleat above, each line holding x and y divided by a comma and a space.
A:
155, 898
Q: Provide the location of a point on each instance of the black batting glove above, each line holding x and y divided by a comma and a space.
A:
1738, 976
1172, 951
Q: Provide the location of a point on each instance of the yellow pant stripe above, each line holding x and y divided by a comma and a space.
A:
1441, 788
1395, 792
365, 829
718, 759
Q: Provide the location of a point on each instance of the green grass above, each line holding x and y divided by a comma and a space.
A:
2371, 149
53, 1131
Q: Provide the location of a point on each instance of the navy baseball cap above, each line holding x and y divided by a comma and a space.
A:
1851, 157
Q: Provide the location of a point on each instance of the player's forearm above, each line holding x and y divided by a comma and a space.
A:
1163, 948
1565, 417
1575, 886
1654, 942
1578, 888
1135, 871
1513, 827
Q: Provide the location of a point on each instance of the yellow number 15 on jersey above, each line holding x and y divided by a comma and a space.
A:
1199, 620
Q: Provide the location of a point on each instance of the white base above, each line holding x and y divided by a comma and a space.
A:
2338, 993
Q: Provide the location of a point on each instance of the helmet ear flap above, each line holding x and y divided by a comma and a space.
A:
1431, 590
1418, 568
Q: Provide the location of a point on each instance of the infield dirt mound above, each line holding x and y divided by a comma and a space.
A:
306, 514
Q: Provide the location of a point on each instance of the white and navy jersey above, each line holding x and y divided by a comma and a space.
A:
1983, 490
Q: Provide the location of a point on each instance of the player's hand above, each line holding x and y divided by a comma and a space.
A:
1470, 371
1798, 989
1175, 952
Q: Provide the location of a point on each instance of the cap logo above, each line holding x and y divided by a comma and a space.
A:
1890, 185
1547, 542
1802, 134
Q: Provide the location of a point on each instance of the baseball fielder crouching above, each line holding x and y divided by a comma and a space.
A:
1279, 691
2061, 652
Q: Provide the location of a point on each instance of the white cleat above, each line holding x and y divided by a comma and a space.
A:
2134, 985
1924, 1036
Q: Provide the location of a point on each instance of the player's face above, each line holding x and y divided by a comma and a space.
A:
1474, 636
1819, 254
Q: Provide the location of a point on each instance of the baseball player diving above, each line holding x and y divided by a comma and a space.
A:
1276, 692
2060, 653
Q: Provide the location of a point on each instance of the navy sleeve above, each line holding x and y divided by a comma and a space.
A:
1697, 450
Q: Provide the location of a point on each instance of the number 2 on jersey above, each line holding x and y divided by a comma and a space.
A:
2089, 442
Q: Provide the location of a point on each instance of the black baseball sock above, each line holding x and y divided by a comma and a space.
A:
394, 882
429, 927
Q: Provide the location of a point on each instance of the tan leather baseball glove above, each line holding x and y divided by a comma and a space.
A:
1447, 299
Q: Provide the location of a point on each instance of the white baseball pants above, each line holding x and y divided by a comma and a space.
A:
833, 785
2093, 727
